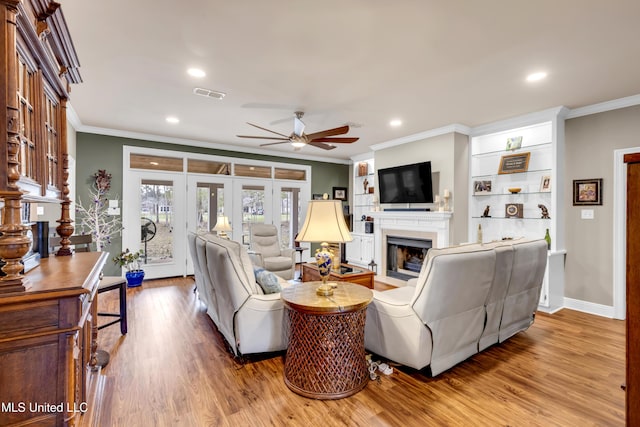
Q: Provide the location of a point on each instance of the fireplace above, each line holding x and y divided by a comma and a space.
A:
405, 256
424, 225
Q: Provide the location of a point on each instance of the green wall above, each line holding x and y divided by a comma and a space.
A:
95, 152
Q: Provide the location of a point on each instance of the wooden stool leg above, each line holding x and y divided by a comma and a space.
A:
123, 308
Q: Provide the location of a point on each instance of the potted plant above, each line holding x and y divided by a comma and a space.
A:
129, 260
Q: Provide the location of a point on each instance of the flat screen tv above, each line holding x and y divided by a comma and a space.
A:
406, 184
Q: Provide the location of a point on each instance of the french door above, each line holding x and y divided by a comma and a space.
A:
253, 204
154, 221
208, 197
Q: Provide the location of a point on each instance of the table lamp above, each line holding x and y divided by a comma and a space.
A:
222, 226
324, 223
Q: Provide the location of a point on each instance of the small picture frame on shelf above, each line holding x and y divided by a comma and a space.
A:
363, 168
340, 193
587, 192
514, 143
481, 187
545, 184
317, 197
514, 163
513, 210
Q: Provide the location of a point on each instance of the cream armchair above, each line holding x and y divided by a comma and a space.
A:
266, 252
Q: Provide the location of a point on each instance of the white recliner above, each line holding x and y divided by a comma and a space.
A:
437, 323
465, 299
249, 320
267, 253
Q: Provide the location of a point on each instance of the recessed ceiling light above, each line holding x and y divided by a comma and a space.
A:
173, 120
534, 77
196, 72
395, 123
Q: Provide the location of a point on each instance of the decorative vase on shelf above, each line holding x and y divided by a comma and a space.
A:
547, 237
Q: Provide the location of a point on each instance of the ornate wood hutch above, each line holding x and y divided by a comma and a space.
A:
47, 333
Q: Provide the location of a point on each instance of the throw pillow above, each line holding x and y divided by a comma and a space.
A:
267, 281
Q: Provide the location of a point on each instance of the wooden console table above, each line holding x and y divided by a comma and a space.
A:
325, 355
48, 342
357, 275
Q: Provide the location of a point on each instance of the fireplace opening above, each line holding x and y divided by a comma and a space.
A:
405, 256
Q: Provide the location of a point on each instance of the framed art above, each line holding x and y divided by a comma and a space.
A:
481, 187
317, 197
587, 192
545, 184
513, 210
514, 163
514, 143
340, 193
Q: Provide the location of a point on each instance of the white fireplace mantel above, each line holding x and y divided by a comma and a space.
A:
425, 224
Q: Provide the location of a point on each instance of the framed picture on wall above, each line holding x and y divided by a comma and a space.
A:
545, 184
340, 193
587, 192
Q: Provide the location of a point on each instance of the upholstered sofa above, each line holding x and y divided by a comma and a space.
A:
465, 299
250, 320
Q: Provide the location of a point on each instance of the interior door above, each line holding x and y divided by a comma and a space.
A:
154, 220
207, 198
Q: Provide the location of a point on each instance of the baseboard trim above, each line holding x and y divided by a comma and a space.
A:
589, 307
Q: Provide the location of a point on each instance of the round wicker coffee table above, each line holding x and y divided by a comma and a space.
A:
325, 356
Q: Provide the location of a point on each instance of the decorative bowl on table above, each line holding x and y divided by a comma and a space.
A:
515, 190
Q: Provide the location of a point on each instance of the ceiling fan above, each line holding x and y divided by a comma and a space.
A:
299, 139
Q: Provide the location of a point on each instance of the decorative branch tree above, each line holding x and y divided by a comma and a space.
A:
95, 217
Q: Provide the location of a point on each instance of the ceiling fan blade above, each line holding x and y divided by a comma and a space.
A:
263, 137
274, 143
268, 130
322, 145
329, 132
298, 126
336, 140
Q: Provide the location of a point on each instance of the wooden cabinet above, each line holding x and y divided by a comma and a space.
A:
38, 63
47, 342
633, 290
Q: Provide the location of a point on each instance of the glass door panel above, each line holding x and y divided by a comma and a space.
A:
207, 198
253, 206
153, 218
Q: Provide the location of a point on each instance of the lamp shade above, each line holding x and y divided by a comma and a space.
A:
222, 224
324, 223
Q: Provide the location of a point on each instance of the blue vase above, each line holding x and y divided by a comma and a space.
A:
134, 278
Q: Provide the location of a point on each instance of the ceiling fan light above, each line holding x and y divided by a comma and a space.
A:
298, 144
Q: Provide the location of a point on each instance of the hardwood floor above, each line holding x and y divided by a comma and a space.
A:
173, 369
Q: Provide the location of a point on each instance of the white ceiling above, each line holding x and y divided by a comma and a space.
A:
430, 63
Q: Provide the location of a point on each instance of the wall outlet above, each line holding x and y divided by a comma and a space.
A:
113, 211
586, 214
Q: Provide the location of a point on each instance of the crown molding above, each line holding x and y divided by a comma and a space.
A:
72, 117
521, 121
456, 127
361, 157
602, 107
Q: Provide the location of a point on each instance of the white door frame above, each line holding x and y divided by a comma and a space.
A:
620, 232
131, 220
237, 210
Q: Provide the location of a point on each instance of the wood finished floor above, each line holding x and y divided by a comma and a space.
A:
173, 369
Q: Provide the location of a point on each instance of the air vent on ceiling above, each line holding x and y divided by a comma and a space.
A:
209, 93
